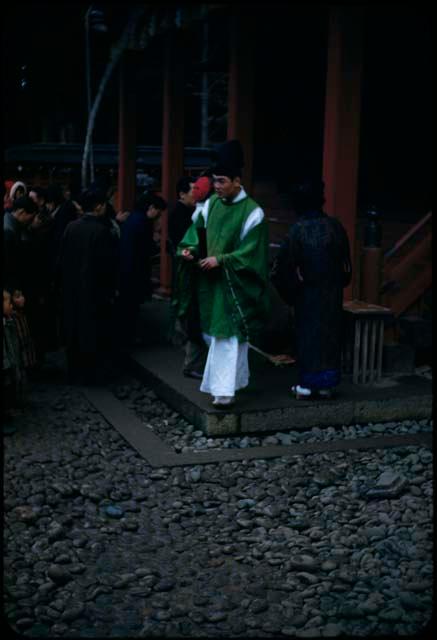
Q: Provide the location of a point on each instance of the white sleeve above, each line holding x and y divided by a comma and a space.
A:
201, 208
254, 218
205, 211
197, 212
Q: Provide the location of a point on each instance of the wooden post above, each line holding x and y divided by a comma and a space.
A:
357, 344
342, 119
172, 144
127, 133
241, 87
371, 274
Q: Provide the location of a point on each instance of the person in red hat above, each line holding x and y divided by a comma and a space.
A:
7, 198
189, 330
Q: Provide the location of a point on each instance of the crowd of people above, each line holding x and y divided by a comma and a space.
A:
221, 288
76, 273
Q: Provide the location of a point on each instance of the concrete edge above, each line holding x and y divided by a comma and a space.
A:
159, 454
301, 415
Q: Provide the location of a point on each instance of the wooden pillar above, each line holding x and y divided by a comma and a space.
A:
172, 144
127, 132
342, 120
241, 87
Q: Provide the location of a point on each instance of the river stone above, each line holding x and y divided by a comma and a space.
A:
304, 562
311, 632
58, 574
393, 614
165, 584
258, 605
331, 630
72, 613
26, 513
389, 485
329, 565
114, 512
298, 523
216, 616
24, 623
411, 601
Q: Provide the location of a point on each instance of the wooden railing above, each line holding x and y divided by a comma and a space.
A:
405, 238
407, 271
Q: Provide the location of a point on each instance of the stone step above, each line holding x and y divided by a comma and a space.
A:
267, 405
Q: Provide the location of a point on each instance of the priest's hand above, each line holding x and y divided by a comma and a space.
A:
208, 263
186, 254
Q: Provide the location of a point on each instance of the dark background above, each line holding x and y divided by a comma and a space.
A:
44, 98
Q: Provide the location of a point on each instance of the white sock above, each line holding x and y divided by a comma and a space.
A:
303, 390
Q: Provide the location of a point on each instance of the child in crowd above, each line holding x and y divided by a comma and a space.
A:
13, 370
24, 336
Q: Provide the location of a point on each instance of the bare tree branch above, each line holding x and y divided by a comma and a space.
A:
116, 53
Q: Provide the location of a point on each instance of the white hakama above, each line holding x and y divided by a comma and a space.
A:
227, 366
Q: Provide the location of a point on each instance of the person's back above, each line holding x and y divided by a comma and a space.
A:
87, 264
62, 212
135, 240
85, 257
136, 249
319, 248
316, 261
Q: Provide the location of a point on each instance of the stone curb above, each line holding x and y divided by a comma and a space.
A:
159, 454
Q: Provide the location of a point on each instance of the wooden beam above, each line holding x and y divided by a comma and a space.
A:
127, 132
241, 87
342, 120
172, 143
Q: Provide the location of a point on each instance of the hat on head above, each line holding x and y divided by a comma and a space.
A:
229, 159
201, 189
308, 195
15, 186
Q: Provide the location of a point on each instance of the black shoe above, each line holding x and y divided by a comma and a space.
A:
188, 373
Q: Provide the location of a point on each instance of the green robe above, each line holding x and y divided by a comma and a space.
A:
233, 298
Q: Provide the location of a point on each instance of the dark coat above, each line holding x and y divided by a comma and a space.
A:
178, 222
38, 261
12, 253
312, 268
88, 267
65, 214
136, 250
42, 308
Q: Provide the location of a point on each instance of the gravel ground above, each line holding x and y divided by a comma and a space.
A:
99, 544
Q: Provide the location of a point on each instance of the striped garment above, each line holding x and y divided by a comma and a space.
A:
25, 339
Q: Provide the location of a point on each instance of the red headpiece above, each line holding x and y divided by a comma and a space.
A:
201, 188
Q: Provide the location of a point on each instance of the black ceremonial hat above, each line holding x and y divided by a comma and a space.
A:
229, 158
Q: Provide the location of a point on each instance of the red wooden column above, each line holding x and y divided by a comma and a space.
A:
342, 120
172, 143
127, 132
241, 87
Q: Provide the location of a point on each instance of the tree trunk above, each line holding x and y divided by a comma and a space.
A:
116, 53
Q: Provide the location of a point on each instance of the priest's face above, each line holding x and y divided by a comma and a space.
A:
226, 187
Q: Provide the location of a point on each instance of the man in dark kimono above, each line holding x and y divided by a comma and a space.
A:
88, 269
137, 246
311, 270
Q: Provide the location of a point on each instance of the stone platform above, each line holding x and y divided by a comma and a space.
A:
267, 404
